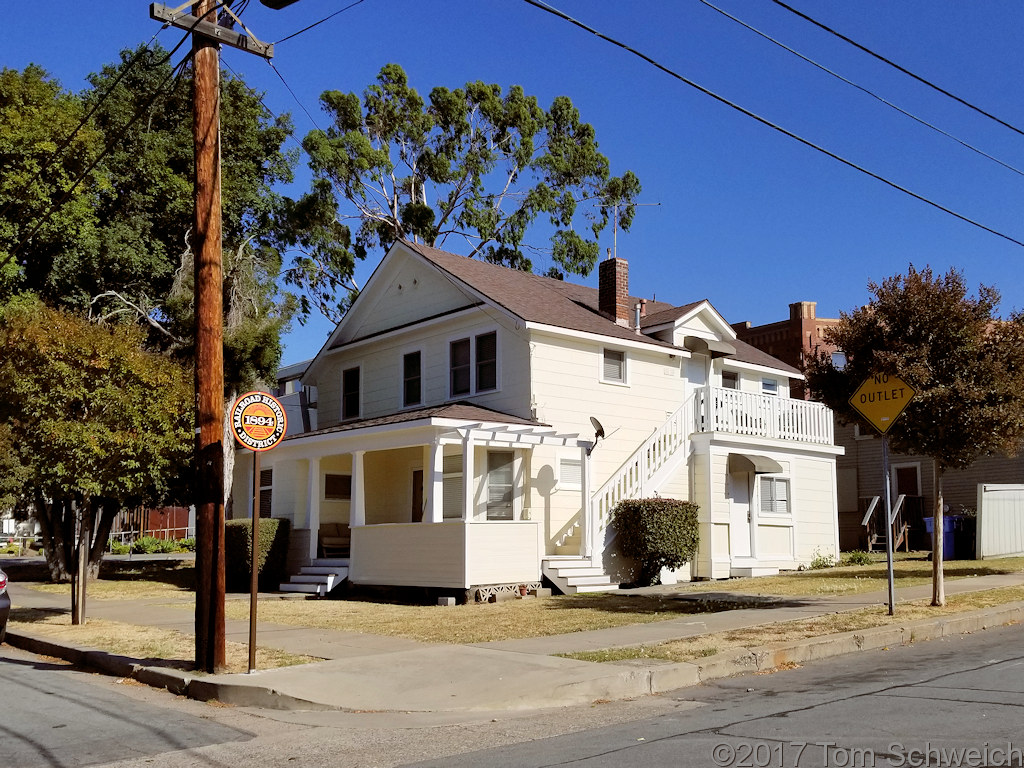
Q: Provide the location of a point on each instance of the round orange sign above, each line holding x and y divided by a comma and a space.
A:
258, 421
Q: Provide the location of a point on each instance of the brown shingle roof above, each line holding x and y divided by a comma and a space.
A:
538, 299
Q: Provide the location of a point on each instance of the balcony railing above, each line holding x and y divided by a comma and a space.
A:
756, 415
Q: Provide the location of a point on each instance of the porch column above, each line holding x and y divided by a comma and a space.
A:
434, 482
357, 515
467, 478
313, 505
587, 524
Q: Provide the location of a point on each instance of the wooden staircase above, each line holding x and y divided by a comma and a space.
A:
640, 475
876, 528
319, 577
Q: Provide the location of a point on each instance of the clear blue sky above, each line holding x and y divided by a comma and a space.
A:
748, 218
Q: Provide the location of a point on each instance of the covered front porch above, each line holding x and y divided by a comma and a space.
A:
396, 489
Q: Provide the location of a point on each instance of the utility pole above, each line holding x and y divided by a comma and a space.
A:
209, 313
207, 37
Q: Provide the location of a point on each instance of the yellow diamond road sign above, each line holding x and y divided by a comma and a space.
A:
880, 399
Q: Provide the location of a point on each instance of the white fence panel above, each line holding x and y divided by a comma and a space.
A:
1000, 520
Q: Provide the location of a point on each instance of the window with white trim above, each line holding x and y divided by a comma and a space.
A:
770, 387
337, 487
730, 380
774, 495
350, 393
570, 473
412, 379
500, 484
473, 364
613, 366
451, 487
266, 491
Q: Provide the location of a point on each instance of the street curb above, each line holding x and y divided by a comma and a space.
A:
175, 681
636, 678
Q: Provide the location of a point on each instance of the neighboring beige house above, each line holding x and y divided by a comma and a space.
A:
455, 445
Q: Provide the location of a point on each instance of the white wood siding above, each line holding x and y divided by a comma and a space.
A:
1000, 530
451, 554
815, 508
382, 375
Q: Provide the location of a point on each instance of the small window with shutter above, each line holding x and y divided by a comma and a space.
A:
774, 496
613, 368
570, 473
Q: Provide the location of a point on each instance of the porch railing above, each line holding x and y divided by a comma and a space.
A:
748, 413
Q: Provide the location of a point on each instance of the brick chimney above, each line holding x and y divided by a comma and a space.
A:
613, 290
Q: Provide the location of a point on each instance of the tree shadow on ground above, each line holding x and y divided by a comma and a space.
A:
177, 573
677, 603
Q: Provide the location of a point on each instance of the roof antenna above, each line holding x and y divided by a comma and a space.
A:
614, 250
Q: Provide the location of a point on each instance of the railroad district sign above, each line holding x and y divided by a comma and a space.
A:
881, 398
258, 421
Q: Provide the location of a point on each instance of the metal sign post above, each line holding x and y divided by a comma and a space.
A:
259, 423
881, 399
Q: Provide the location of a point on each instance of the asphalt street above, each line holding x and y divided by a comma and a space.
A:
54, 717
958, 701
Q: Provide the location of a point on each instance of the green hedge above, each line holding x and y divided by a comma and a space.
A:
273, 553
657, 533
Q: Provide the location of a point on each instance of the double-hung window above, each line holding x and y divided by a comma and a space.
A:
774, 496
473, 364
500, 479
412, 379
350, 393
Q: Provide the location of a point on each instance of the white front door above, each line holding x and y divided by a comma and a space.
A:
739, 519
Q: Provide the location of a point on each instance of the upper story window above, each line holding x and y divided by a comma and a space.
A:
730, 380
473, 364
412, 379
769, 387
613, 366
350, 393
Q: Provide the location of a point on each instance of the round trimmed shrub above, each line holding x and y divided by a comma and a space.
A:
657, 533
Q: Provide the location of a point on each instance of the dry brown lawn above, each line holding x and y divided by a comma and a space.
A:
691, 648
148, 645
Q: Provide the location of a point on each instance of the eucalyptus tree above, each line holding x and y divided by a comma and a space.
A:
475, 164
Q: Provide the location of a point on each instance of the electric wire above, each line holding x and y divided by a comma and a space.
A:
294, 95
66, 142
904, 70
318, 23
861, 88
176, 73
768, 123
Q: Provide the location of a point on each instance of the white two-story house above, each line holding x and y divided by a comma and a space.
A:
477, 424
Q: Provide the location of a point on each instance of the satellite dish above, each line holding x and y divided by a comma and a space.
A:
598, 429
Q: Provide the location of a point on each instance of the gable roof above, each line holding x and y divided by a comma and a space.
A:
556, 303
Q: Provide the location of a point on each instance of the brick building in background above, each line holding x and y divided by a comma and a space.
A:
791, 340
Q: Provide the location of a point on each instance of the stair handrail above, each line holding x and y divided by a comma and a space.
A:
634, 474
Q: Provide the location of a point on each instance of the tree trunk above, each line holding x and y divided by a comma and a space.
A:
104, 521
938, 588
52, 525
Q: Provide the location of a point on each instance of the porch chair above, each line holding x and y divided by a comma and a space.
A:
335, 540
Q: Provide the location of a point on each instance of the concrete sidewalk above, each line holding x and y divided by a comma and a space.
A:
370, 673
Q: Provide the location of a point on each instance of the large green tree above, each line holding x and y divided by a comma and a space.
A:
92, 422
966, 364
473, 164
120, 247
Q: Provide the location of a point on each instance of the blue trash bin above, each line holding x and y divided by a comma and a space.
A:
948, 524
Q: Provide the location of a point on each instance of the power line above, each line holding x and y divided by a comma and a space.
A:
764, 121
176, 73
904, 70
294, 95
70, 137
318, 23
861, 88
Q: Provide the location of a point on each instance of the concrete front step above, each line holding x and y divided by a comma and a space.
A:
311, 589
